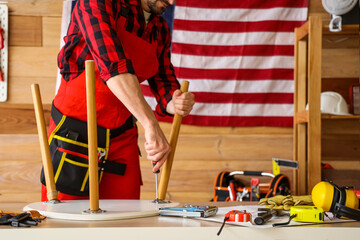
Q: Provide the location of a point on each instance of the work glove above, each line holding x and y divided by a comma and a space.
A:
302, 200
285, 202
276, 202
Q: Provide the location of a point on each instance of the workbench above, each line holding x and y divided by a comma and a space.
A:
169, 228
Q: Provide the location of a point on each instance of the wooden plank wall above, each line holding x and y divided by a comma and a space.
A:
34, 37
202, 152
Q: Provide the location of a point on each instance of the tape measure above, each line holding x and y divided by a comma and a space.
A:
238, 216
235, 216
309, 214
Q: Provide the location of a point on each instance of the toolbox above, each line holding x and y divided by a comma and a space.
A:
228, 187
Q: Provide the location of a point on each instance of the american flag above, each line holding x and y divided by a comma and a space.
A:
238, 57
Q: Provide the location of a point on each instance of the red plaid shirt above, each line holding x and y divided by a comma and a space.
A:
92, 35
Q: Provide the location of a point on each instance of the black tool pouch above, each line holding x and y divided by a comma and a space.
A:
69, 154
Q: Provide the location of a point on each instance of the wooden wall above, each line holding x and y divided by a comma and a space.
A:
34, 37
202, 152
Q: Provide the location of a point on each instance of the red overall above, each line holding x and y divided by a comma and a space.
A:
111, 113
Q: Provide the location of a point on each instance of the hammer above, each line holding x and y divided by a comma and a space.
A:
266, 214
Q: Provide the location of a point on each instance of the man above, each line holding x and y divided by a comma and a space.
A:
128, 45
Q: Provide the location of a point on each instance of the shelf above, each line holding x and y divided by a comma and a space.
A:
346, 30
303, 117
317, 134
327, 116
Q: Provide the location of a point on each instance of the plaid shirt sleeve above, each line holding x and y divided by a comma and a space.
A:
164, 83
96, 21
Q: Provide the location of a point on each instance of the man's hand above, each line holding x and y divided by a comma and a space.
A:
181, 103
156, 146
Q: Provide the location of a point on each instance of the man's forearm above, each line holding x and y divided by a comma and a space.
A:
127, 89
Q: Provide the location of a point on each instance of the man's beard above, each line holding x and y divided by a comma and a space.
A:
154, 8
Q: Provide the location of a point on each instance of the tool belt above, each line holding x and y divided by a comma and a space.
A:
226, 184
69, 153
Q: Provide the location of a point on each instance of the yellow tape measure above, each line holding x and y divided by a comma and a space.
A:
310, 214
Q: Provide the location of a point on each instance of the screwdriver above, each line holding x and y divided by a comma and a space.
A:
156, 182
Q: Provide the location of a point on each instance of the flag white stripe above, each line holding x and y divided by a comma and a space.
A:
230, 39
237, 109
240, 15
221, 86
237, 62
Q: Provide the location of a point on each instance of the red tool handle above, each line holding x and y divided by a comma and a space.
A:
1, 38
1, 47
357, 194
232, 191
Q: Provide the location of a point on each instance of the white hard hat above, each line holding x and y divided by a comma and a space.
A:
333, 103
338, 7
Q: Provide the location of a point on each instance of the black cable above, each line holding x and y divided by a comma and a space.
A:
285, 223
222, 226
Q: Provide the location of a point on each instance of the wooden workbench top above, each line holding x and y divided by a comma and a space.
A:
168, 228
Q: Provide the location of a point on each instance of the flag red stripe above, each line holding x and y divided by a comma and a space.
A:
260, 4
235, 74
226, 121
236, 27
206, 97
241, 50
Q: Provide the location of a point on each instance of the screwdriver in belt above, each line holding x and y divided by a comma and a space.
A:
156, 181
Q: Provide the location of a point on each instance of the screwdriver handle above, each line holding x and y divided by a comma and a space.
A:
154, 163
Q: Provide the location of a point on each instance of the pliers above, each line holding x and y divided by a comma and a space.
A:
20, 220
